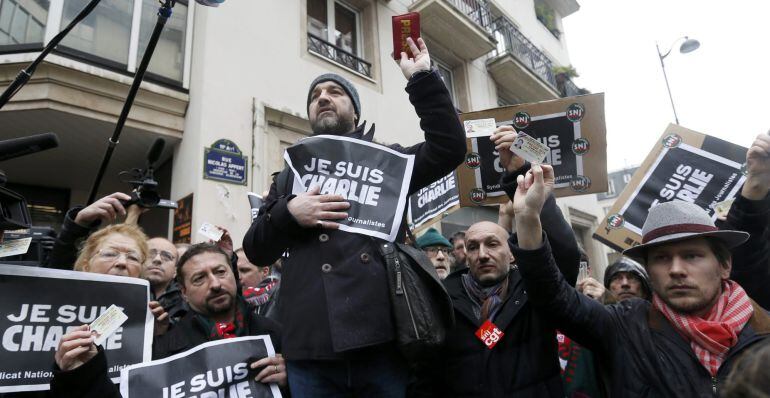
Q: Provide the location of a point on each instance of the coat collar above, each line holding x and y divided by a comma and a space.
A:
359, 133
464, 305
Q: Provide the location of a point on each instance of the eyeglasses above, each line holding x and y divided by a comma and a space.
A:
433, 251
164, 255
113, 255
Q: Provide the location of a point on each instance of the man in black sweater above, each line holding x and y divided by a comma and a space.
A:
335, 306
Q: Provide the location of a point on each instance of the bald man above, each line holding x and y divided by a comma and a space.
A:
500, 346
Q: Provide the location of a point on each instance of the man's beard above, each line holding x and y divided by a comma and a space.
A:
333, 125
213, 310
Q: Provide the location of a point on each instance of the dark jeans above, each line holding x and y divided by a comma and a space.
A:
375, 374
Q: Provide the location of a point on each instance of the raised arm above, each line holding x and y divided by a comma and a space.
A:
79, 222
751, 213
578, 316
444, 146
560, 235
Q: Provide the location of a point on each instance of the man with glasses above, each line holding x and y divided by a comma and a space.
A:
160, 271
439, 251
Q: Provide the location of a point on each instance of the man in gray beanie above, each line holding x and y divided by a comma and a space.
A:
338, 331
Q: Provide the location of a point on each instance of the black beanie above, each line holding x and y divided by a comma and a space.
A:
344, 83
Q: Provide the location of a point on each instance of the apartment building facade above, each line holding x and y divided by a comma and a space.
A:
232, 82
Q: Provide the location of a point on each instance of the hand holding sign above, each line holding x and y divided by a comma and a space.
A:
758, 169
503, 138
75, 349
273, 370
162, 320
420, 62
312, 210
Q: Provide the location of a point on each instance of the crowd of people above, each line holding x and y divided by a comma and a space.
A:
680, 315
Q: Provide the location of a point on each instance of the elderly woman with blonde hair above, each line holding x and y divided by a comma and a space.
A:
114, 250
117, 249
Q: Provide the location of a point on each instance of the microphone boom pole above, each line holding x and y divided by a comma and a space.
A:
23, 77
164, 13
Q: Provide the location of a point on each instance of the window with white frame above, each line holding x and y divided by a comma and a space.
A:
335, 23
105, 33
114, 35
334, 33
168, 58
22, 21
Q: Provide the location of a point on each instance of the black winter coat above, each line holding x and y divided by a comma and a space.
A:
525, 362
645, 355
751, 260
334, 292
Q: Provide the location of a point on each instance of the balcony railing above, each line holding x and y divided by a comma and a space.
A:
511, 41
476, 10
567, 87
325, 49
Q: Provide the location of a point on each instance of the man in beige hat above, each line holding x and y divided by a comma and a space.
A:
685, 341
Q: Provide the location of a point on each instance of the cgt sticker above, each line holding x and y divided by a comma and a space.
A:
580, 183
581, 146
521, 120
575, 112
671, 141
477, 195
473, 160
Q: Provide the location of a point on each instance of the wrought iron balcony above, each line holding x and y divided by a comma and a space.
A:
325, 49
511, 41
567, 87
461, 29
476, 10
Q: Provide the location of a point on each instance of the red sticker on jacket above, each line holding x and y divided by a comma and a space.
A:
489, 334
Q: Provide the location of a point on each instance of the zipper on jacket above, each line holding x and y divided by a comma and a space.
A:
714, 385
400, 290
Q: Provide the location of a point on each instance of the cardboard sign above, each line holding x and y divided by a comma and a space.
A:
572, 128
684, 165
38, 306
218, 368
429, 204
373, 178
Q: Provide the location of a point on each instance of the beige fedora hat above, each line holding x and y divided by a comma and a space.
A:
675, 221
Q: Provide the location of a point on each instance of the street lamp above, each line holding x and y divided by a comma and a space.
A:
689, 45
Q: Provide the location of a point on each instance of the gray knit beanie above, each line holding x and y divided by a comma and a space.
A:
344, 83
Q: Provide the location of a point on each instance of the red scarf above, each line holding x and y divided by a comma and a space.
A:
713, 335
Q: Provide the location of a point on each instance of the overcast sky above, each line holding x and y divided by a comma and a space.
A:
721, 89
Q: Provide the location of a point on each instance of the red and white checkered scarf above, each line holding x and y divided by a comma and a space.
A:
712, 336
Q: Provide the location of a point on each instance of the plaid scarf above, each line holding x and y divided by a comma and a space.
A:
489, 299
226, 330
260, 295
712, 336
